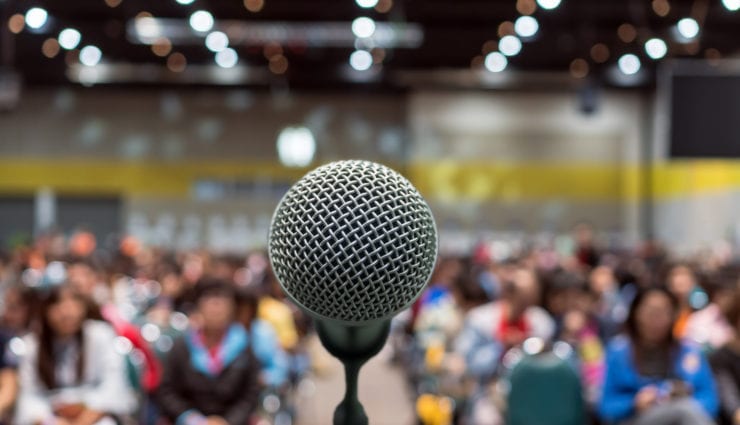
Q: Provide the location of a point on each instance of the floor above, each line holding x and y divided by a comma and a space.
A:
382, 391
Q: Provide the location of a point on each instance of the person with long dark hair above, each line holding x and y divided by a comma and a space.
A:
726, 365
652, 378
71, 374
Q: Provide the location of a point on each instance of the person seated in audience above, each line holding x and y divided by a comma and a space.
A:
273, 359
516, 316
211, 375
580, 327
71, 372
726, 365
8, 377
651, 377
274, 310
682, 281
709, 326
612, 302
18, 303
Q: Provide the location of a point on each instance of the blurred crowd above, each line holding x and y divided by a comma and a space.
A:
118, 333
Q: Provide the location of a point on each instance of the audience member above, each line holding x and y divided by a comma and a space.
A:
651, 377
70, 374
211, 375
726, 364
516, 316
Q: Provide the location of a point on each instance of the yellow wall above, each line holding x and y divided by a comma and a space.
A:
439, 180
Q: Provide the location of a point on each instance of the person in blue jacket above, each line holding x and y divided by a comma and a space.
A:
651, 378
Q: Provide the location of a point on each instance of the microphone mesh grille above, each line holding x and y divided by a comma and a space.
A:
353, 241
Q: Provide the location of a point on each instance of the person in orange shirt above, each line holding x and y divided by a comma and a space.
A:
681, 282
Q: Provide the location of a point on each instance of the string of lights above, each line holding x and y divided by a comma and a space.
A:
525, 28
369, 52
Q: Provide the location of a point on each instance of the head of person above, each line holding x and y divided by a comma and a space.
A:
681, 280
63, 311
169, 276
216, 303
248, 307
18, 308
562, 291
602, 280
651, 318
723, 287
733, 312
83, 275
523, 291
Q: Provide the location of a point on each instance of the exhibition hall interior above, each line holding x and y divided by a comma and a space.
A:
386, 212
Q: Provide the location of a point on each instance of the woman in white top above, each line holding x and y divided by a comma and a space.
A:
71, 374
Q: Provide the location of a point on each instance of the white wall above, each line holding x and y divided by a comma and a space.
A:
524, 128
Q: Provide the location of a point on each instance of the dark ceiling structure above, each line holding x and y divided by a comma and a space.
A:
309, 43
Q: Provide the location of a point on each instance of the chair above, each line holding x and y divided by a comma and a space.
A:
545, 390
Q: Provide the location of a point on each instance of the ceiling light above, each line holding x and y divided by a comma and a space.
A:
36, 17
495, 62
227, 58
629, 64
185, 1
363, 27
527, 26
510, 45
361, 60
217, 41
201, 21
548, 4
367, 4
90, 55
656, 48
69, 38
296, 146
688, 27
731, 5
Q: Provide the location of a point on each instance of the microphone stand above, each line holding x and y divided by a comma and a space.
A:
353, 346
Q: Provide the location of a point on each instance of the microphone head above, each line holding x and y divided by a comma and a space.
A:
353, 242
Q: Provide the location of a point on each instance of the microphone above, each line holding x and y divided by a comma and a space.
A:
352, 243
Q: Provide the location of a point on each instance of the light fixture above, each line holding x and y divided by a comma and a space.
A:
367, 4
296, 146
90, 55
510, 45
201, 21
227, 58
147, 27
629, 64
527, 26
69, 38
363, 27
548, 4
731, 5
36, 17
361, 60
656, 48
495, 62
688, 28
217, 41
185, 1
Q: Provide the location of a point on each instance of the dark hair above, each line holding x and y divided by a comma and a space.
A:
208, 286
248, 300
733, 314
631, 322
639, 351
46, 362
27, 297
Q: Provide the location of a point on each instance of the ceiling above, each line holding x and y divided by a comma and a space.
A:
454, 39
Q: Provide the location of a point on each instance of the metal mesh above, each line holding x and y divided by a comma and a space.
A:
353, 241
